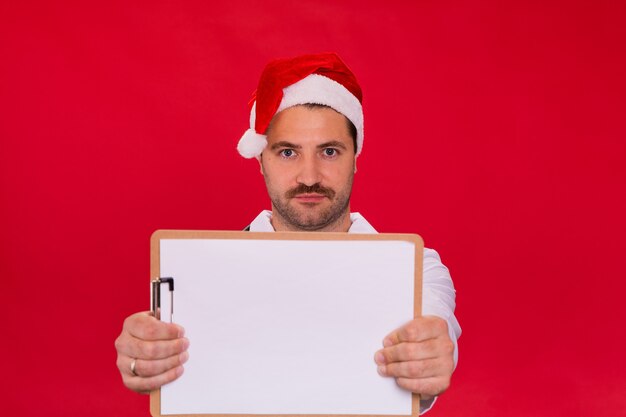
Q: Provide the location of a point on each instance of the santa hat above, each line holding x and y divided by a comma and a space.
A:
316, 79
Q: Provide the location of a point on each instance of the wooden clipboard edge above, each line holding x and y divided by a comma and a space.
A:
155, 271
155, 268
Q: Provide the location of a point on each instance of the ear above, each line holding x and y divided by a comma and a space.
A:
260, 159
355, 164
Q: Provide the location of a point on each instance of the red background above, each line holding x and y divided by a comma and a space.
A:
493, 129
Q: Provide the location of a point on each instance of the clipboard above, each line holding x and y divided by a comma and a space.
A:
257, 308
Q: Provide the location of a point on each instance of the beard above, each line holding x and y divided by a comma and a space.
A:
309, 217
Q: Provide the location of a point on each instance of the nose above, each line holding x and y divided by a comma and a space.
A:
309, 172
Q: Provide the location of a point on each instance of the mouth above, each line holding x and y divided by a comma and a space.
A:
309, 198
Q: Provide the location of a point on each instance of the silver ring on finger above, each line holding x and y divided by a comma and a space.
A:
133, 364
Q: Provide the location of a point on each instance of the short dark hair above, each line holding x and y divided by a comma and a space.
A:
351, 126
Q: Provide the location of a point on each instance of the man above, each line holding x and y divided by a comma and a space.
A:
306, 131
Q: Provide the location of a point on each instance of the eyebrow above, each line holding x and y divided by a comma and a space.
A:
286, 144
332, 144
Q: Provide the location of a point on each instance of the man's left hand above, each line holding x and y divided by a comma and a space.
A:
419, 355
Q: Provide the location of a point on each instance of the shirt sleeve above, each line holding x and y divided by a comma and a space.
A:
438, 299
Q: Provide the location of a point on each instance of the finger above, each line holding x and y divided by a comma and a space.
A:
130, 346
427, 368
407, 352
417, 330
425, 386
145, 385
147, 369
153, 350
146, 327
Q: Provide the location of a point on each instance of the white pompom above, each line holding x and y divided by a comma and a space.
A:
251, 144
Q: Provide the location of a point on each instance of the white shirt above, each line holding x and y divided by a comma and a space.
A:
438, 295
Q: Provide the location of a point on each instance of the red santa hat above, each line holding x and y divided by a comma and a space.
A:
317, 79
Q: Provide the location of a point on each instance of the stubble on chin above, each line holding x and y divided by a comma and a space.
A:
310, 218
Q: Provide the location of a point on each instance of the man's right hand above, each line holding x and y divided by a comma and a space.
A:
158, 349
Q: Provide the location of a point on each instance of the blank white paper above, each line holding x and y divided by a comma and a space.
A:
287, 327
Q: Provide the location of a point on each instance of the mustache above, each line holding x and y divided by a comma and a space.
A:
310, 189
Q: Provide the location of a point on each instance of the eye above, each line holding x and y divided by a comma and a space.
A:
286, 153
330, 152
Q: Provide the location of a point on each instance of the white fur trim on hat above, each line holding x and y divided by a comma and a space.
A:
315, 89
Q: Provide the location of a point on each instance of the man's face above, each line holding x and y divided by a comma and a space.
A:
309, 165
